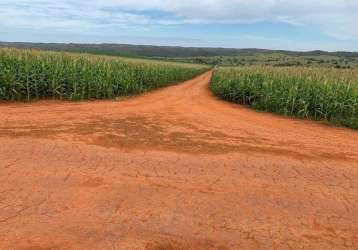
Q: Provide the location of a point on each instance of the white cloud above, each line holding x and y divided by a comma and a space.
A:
337, 18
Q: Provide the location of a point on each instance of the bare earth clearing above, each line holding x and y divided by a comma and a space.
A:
173, 169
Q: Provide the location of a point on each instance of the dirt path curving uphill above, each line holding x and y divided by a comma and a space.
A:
173, 169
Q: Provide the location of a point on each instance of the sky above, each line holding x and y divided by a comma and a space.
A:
271, 24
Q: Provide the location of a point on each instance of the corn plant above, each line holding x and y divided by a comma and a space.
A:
315, 93
29, 75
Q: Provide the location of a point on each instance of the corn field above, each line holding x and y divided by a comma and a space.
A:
29, 75
315, 93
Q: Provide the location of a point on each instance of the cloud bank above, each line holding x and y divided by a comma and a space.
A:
335, 18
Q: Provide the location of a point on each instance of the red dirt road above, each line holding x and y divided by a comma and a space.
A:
173, 169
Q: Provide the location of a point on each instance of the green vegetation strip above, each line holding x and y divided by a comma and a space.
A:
316, 93
29, 75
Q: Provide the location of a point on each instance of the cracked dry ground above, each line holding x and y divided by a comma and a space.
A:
173, 169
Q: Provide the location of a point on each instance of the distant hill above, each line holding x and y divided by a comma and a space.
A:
164, 51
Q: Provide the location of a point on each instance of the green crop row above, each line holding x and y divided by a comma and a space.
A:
315, 93
28, 75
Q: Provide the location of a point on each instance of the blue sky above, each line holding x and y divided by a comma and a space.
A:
273, 24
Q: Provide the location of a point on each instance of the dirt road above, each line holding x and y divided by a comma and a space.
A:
173, 169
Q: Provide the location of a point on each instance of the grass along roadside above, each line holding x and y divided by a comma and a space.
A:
315, 93
30, 75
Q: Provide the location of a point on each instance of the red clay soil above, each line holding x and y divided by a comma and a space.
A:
173, 169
